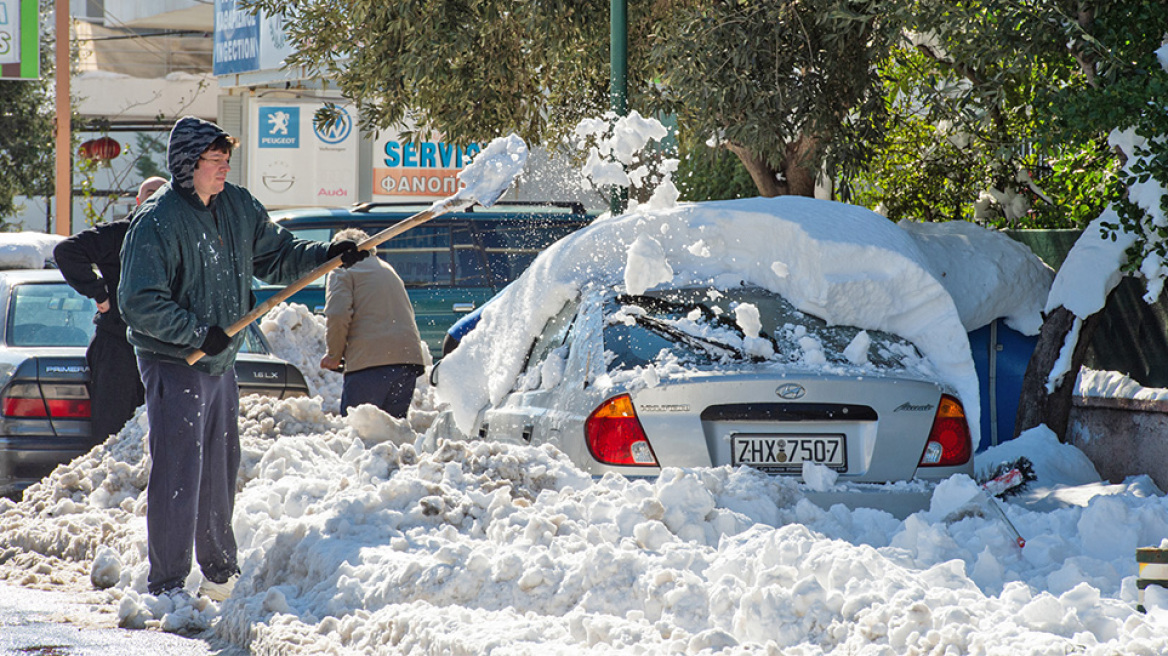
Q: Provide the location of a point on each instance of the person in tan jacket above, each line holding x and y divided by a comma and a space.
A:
370, 327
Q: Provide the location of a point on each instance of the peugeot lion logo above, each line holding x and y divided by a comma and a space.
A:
791, 391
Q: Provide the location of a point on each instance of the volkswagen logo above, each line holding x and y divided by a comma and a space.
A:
338, 131
791, 391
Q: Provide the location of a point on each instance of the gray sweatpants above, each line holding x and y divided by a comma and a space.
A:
194, 450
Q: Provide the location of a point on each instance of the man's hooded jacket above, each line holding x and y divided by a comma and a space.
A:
187, 266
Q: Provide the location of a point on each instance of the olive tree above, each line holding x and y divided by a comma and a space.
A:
790, 87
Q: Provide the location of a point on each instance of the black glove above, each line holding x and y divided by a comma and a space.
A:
348, 251
216, 341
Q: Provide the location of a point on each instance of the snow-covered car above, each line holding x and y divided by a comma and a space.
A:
45, 327
764, 332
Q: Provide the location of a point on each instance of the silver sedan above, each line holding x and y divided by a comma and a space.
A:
684, 377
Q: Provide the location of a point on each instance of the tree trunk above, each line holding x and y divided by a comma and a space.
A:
1035, 405
797, 179
799, 174
765, 177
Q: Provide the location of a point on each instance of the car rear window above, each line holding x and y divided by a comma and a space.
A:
698, 327
49, 314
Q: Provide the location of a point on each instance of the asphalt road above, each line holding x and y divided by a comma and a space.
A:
41, 623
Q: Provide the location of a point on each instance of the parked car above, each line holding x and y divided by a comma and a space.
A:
45, 327
722, 403
450, 264
724, 334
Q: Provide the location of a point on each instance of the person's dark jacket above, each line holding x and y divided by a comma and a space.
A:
187, 267
100, 246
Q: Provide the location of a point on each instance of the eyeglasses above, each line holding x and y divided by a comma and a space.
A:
219, 162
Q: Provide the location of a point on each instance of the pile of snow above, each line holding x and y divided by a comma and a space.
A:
356, 544
298, 336
840, 262
26, 250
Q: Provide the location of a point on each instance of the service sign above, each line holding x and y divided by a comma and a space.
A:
292, 162
19, 40
421, 169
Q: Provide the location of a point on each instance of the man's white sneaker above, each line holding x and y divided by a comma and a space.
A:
217, 592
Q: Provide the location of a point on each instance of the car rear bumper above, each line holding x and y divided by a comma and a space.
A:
900, 503
27, 459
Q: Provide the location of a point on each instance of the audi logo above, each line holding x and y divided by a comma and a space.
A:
790, 391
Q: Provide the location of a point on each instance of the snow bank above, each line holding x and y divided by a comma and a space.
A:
355, 545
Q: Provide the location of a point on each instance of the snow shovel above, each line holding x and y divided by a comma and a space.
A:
486, 178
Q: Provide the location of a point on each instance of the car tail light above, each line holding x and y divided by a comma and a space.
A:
23, 400
949, 442
615, 435
59, 401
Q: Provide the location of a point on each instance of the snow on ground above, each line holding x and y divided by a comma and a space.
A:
357, 541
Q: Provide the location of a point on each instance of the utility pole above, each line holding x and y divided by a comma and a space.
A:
64, 150
619, 87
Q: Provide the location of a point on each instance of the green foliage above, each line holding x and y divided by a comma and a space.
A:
765, 75
26, 142
471, 69
1035, 87
705, 173
950, 140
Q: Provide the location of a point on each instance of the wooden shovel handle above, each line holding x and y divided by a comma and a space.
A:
367, 245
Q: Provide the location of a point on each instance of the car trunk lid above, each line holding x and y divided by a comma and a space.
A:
869, 429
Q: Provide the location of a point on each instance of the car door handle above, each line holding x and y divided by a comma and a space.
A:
463, 307
527, 431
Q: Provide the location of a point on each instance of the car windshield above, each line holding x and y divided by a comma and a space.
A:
49, 314
704, 327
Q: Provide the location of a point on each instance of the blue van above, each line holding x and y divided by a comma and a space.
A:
450, 264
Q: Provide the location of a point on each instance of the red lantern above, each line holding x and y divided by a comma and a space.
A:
102, 150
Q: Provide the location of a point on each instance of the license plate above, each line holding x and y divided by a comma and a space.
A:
787, 453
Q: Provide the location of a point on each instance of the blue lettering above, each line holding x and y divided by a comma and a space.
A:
409, 154
445, 151
427, 155
392, 158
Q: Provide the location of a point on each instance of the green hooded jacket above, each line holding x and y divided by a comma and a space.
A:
187, 266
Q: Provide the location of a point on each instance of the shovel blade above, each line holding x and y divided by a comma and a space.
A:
491, 173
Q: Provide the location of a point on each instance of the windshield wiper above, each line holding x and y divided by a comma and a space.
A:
711, 346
